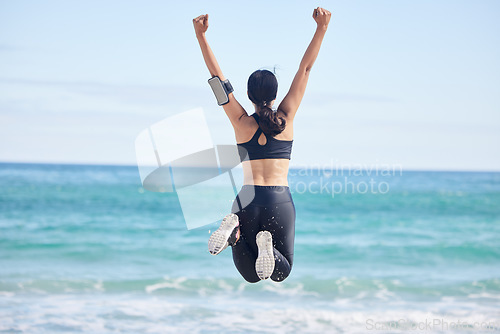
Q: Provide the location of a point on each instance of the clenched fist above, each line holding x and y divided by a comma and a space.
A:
200, 24
322, 17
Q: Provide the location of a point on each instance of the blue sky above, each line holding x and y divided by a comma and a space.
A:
412, 83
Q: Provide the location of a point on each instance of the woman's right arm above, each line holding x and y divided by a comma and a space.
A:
292, 100
233, 108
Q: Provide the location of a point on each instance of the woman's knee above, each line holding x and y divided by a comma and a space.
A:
280, 278
283, 266
281, 275
248, 273
252, 279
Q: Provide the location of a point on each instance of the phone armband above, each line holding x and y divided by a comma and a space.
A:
221, 89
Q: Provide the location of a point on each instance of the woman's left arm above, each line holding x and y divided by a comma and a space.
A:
233, 109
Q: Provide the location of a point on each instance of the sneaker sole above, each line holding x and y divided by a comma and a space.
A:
264, 266
219, 239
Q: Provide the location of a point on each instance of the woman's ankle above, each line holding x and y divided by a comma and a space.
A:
237, 237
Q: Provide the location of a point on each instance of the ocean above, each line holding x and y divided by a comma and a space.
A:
87, 249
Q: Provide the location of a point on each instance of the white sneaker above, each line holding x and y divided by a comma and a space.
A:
224, 235
264, 266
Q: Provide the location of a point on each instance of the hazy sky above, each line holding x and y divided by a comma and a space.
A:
413, 83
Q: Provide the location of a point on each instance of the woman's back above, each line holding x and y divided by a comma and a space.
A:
267, 157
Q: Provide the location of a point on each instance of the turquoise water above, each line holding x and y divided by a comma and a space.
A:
87, 249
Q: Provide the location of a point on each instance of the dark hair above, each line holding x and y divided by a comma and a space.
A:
262, 89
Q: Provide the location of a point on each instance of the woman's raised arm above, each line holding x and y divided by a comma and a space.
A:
233, 109
292, 100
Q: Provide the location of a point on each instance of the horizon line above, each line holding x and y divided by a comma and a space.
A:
292, 167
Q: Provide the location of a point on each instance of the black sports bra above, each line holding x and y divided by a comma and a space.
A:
272, 149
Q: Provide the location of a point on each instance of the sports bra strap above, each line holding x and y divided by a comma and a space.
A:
259, 130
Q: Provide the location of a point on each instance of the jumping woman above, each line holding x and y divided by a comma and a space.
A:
261, 227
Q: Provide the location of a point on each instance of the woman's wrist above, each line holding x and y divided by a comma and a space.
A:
321, 27
200, 35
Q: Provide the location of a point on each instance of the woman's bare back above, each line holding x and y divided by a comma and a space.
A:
264, 172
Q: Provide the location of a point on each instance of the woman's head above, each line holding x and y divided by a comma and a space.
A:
262, 90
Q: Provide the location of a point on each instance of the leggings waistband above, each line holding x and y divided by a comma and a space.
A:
264, 195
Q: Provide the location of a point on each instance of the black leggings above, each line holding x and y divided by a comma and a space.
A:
264, 208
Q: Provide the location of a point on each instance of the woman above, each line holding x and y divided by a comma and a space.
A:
261, 228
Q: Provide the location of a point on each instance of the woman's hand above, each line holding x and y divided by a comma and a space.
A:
200, 24
322, 17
